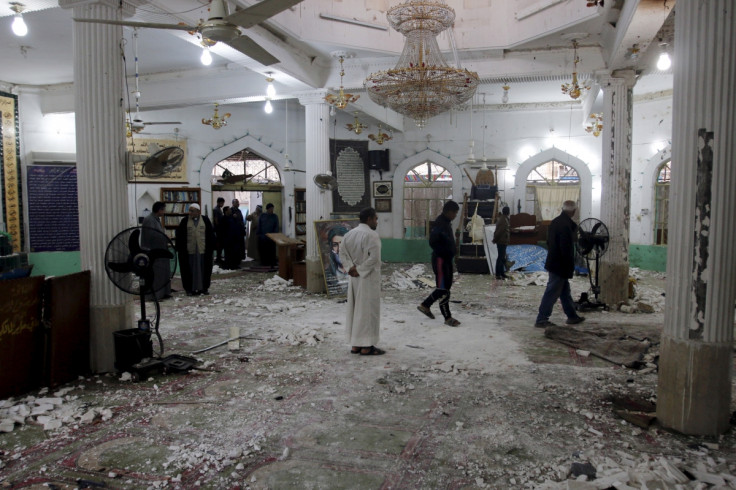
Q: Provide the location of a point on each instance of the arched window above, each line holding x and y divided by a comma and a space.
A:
662, 203
426, 189
245, 168
549, 185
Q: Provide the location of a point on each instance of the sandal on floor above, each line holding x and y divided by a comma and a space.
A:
372, 351
355, 350
426, 311
451, 322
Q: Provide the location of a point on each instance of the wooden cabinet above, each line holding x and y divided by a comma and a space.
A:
178, 200
300, 212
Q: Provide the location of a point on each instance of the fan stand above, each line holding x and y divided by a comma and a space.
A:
585, 303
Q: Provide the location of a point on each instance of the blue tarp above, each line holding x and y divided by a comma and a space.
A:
528, 258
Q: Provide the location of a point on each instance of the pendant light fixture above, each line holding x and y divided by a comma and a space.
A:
19, 26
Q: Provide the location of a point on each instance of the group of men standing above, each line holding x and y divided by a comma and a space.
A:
232, 244
200, 243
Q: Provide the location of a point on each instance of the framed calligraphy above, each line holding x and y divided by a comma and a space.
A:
348, 160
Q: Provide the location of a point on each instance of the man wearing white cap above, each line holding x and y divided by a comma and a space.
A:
560, 264
195, 243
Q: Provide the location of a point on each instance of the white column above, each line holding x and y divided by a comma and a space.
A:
696, 355
616, 184
319, 203
98, 91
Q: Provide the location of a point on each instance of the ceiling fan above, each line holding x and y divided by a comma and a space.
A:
221, 26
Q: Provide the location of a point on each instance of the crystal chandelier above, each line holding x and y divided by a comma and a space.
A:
574, 89
596, 124
341, 100
379, 138
216, 121
422, 85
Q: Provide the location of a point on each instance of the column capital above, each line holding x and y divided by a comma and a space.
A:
618, 77
312, 97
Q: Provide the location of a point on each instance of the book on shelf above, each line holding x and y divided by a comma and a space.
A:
181, 196
301, 229
177, 207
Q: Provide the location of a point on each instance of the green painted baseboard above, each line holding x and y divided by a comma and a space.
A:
648, 257
55, 263
398, 250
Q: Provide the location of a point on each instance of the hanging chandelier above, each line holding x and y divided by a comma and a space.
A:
216, 121
596, 124
379, 138
356, 126
341, 100
574, 89
422, 85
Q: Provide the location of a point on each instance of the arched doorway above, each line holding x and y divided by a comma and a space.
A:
427, 187
251, 179
662, 202
548, 185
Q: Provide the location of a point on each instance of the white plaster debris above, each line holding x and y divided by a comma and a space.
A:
52, 413
414, 277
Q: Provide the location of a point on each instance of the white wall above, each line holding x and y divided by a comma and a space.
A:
517, 136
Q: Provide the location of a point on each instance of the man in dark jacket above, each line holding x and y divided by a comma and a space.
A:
560, 264
442, 241
195, 244
502, 238
268, 222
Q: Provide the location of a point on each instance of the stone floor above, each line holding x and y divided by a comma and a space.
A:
489, 404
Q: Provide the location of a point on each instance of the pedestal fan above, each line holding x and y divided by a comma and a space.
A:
130, 266
591, 244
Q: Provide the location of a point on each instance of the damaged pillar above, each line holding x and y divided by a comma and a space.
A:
616, 184
696, 358
319, 202
102, 186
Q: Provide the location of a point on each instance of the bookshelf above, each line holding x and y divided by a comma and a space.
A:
177, 200
300, 212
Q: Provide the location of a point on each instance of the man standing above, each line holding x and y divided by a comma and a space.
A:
217, 222
268, 222
153, 237
442, 241
502, 238
195, 242
560, 265
252, 240
361, 249
238, 237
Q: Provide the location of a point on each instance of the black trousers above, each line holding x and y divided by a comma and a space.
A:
443, 270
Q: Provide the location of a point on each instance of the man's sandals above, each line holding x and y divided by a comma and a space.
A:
451, 322
367, 351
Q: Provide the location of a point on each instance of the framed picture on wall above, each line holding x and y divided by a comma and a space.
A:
382, 205
383, 188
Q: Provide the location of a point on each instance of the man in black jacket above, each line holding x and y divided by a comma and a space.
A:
442, 241
560, 264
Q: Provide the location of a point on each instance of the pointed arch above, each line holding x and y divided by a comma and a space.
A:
397, 201
586, 178
254, 144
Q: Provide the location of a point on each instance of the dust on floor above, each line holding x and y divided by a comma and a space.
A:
489, 404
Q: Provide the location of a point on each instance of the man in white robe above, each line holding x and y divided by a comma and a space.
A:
361, 247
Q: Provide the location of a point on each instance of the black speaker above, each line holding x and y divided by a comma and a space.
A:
378, 159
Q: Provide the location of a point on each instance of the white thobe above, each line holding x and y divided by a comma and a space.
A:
361, 247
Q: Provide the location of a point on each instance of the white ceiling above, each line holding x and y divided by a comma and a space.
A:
525, 42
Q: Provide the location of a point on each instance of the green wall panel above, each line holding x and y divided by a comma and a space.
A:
398, 250
55, 263
648, 257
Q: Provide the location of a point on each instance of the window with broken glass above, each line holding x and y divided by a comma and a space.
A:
245, 169
662, 203
426, 189
559, 178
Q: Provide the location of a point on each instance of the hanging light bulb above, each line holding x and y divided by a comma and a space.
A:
206, 57
505, 97
268, 108
270, 89
19, 26
664, 62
